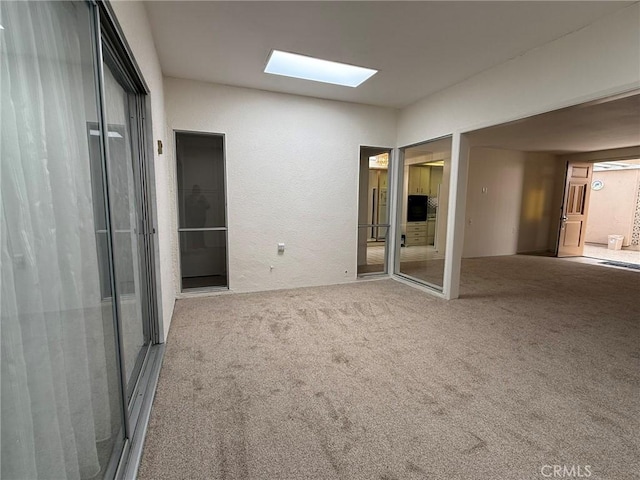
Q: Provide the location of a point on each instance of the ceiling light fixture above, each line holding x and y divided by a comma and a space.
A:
315, 69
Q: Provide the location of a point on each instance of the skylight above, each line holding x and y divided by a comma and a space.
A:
619, 165
315, 69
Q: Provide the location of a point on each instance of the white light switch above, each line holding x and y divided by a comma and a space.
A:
281, 248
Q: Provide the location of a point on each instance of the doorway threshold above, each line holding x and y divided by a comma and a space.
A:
418, 285
366, 277
203, 292
606, 263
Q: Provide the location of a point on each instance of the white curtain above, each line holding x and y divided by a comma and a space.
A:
56, 349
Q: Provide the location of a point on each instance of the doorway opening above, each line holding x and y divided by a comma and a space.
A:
533, 183
202, 210
613, 239
373, 210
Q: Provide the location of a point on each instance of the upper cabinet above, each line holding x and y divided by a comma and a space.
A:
424, 180
419, 180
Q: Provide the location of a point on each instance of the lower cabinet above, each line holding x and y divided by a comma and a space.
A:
416, 234
420, 233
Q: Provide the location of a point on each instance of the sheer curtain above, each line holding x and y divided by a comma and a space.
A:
59, 408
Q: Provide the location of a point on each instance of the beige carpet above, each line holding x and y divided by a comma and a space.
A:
538, 364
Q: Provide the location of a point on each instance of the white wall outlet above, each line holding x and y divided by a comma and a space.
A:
281, 248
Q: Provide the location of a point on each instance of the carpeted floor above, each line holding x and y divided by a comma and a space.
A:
537, 364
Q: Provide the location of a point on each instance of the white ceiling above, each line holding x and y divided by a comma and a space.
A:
436, 150
593, 126
418, 47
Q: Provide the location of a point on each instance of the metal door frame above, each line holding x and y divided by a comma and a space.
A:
176, 132
388, 225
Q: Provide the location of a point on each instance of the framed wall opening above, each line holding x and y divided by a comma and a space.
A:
422, 211
374, 211
520, 179
202, 210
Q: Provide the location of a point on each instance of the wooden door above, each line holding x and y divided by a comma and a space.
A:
573, 223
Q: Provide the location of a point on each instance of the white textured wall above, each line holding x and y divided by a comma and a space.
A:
595, 61
363, 204
520, 210
493, 215
133, 19
292, 177
612, 209
542, 190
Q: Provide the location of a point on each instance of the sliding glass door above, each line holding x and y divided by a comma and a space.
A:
127, 223
62, 414
76, 294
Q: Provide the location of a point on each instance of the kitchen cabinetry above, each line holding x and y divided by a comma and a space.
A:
416, 234
419, 180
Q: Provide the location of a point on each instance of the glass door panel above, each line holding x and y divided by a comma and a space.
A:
202, 210
373, 210
375, 251
126, 221
61, 409
203, 258
423, 211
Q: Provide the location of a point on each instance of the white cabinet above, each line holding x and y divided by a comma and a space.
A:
419, 180
416, 234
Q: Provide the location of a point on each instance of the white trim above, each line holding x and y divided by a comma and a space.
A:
418, 286
388, 256
397, 215
392, 197
456, 215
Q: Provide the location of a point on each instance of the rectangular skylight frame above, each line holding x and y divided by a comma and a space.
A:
304, 67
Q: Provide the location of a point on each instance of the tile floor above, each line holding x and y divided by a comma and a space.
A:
375, 254
592, 250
